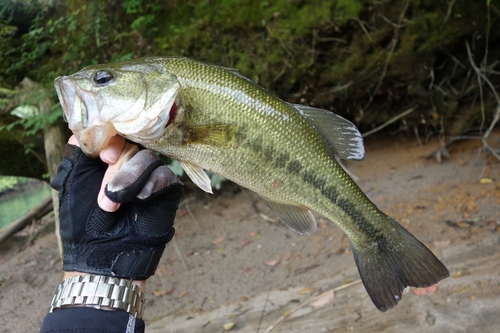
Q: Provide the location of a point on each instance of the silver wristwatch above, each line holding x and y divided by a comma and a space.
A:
101, 292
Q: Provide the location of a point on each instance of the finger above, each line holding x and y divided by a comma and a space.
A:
111, 153
161, 180
125, 155
133, 176
73, 141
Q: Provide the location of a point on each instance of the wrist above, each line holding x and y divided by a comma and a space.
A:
99, 292
69, 274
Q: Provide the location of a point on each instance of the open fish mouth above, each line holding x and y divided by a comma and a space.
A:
81, 111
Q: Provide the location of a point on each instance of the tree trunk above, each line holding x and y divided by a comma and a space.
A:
54, 145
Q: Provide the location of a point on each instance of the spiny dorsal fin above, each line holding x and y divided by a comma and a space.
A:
342, 135
238, 74
298, 218
198, 176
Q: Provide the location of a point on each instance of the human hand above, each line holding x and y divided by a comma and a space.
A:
130, 241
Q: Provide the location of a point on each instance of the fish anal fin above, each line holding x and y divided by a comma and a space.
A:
298, 218
342, 135
388, 266
198, 176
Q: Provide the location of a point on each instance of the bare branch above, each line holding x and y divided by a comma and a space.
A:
393, 44
399, 116
449, 11
362, 25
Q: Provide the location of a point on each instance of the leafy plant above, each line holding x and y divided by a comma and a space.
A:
7, 182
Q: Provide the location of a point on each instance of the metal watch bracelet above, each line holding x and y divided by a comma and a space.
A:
101, 292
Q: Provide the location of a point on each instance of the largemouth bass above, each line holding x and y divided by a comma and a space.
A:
212, 118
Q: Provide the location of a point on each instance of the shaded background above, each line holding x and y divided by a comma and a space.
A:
368, 61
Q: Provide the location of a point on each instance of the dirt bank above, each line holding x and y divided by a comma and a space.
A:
232, 261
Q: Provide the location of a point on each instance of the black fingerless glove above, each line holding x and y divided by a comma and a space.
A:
127, 243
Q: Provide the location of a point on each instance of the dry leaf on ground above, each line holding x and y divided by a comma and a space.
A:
423, 291
325, 299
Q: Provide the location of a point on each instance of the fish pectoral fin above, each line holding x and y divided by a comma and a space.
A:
198, 176
213, 134
298, 218
343, 136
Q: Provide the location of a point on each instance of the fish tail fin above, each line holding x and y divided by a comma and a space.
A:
391, 264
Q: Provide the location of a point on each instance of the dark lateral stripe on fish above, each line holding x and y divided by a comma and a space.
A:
283, 160
365, 226
331, 193
293, 166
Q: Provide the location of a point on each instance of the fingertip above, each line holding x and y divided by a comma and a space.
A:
107, 204
111, 153
73, 141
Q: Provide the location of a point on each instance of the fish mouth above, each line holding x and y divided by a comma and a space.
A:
81, 111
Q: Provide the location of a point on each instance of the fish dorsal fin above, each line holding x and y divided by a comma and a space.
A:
198, 176
238, 74
298, 218
342, 135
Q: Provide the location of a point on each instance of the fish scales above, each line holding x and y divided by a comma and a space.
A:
213, 118
287, 176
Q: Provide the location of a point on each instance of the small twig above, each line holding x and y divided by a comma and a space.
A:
399, 116
488, 82
331, 39
31, 233
389, 21
343, 87
458, 62
451, 87
495, 9
283, 69
264, 310
465, 82
480, 84
37, 156
487, 41
449, 11
313, 48
179, 253
488, 132
191, 214
393, 44
432, 79
288, 313
364, 30
417, 136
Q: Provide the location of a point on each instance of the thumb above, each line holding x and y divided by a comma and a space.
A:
116, 158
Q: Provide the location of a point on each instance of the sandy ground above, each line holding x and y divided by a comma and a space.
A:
231, 261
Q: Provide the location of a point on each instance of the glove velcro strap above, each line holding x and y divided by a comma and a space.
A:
128, 262
138, 264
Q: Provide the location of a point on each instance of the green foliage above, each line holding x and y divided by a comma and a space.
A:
35, 122
327, 53
8, 182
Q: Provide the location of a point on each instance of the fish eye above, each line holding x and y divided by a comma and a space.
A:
102, 77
